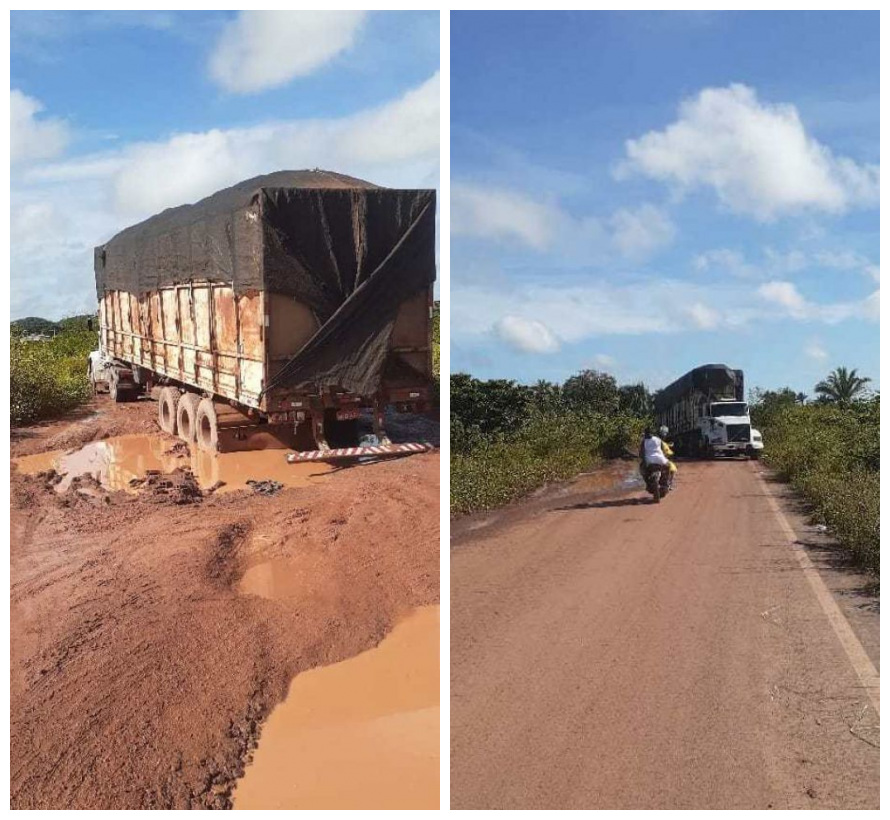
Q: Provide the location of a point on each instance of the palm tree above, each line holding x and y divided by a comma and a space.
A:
842, 386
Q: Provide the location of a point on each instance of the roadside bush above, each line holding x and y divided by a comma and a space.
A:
488, 471
48, 377
830, 454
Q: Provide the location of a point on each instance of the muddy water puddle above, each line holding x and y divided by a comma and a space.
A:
611, 477
115, 462
272, 579
361, 734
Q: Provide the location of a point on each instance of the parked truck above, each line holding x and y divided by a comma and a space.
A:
706, 413
285, 305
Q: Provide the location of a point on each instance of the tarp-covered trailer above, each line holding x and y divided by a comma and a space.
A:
706, 412
285, 304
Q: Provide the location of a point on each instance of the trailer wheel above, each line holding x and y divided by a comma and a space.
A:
187, 416
207, 427
118, 394
167, 402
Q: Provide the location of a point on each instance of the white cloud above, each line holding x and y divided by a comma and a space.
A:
702, 316
788, 301
849, 261
77, 204
394, 144
404, 128
638, 233
508, 216
526, 335
31, 138
815, 351
266, 49
721, 261
503, 215
575, 313
786, 296
605, 361
871, 308
790, 261
775, 263
756, 156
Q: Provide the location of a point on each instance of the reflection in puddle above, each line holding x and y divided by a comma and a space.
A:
361, 734
114, 462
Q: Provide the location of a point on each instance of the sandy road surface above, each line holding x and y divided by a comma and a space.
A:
139, 673
608, 653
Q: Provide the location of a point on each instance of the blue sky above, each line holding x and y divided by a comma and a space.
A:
117, 115
646, 192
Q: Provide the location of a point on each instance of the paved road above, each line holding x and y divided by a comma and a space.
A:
611, 653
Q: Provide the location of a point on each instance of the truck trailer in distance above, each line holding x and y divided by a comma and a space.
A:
707, 414
284, 305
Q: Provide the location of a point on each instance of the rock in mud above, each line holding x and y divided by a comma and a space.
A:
267, 487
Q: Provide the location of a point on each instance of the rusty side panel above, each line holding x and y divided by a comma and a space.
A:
251, 321
202, 334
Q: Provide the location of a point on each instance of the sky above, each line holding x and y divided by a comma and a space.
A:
118, 115
642, 193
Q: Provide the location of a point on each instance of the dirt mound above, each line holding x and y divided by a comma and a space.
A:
178, 487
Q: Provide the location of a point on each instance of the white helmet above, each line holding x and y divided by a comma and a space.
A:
663, 430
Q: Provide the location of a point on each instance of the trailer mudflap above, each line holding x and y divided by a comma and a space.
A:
346, 453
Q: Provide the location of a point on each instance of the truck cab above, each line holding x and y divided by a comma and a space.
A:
726, 429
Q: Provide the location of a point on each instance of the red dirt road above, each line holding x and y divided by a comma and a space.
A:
140, 674
611, 653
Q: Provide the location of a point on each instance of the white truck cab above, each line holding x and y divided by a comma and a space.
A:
726, 429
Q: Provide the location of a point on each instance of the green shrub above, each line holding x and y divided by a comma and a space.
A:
48, 377
488, 471
830, 454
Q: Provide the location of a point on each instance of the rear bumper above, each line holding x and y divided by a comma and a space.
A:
297, 409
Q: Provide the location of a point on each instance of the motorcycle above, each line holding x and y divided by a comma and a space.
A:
659, 480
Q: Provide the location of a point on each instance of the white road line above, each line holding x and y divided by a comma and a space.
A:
864, 668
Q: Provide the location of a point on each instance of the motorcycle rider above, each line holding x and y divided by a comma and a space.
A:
652, 456
668, 450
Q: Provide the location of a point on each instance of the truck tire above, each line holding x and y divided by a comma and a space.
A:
187, 416
118, 393
167, 403
207, 427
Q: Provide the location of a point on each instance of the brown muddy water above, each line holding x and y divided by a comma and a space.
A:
115, 462
361, 734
